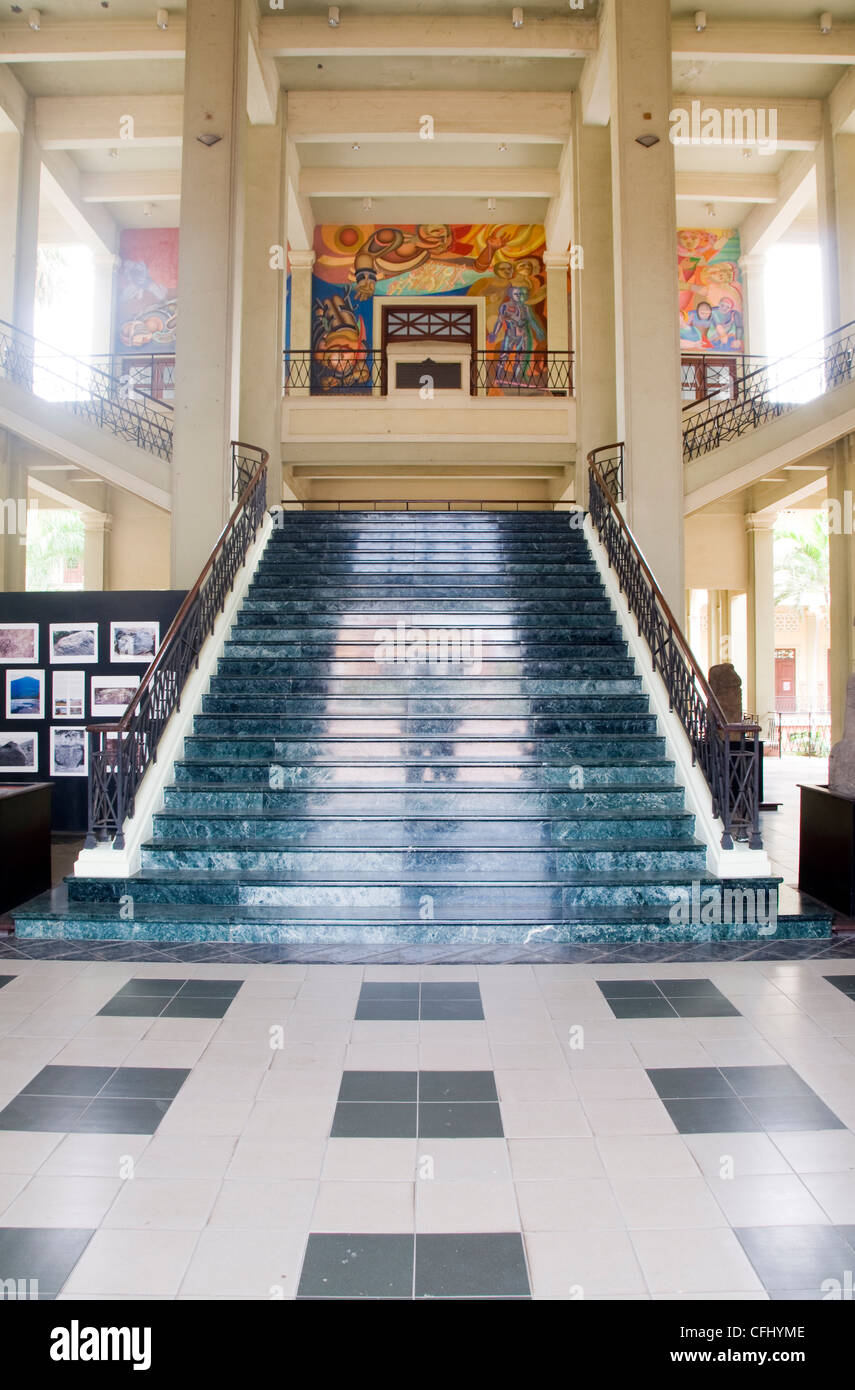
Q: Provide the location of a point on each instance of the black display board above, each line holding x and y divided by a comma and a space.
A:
103, 608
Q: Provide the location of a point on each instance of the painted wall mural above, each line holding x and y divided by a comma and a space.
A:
711, 295
355, 264
146, 291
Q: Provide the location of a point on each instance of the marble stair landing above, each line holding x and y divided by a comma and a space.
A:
513, 788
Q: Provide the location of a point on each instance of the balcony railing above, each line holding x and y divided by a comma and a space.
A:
151, 373
717, 376
727, 754
85, 390
771, 390
369, 372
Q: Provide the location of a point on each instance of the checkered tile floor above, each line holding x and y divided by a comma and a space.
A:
646, 1131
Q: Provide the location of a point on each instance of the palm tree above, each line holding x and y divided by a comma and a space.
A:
801, 565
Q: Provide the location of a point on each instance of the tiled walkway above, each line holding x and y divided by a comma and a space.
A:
663, 1130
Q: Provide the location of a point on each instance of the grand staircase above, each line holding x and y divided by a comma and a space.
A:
517, 791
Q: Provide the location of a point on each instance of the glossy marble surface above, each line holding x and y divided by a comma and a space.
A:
333, 791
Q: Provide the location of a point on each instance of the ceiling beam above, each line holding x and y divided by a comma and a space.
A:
558, 224
428, 183
461, 36
764, 225
262, 79
92, 123
386, 116
85, 42
750, 41
731, 188
132, 186
13, 102
299, 218
795, 122
841, 105
60, 184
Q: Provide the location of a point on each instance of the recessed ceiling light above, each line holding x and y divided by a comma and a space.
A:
354, 147
647, 140
209, 138
503, 149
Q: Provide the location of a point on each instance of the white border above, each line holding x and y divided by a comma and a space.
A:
75, 659
106, 862
6, 734
83, 769
134, 624
22, 660
110, 711
67, 675
739, 862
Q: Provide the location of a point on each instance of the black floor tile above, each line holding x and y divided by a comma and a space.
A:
44, 1254
387, 1009
629, 989
454, 989
457, 1085
689, 1083
116, 1115
379, 1086
196, 1006
374, 1120
144, 986
647, 1007
704, 1006
791, 1258
403, 989
460, 1120
845, 983
471, 1266
358, 1266
160, 1083
68, 1081
204, 989
717, 1116
133, 1006
766, 1081
47, 1114
778, 1114
690, 986
458, 1009
7, 980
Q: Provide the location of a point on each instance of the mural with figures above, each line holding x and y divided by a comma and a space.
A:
503, 264
146, 291
710, 285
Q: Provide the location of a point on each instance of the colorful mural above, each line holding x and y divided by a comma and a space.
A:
503, 264
146, 290
710, 284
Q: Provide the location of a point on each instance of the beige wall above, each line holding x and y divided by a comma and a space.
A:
138, 544
716, 553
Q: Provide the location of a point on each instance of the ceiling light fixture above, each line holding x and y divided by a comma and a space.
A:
648, 141
113, 154
491, 205
161, 19
825, 22
334, 16
367, 205
354, 147
503, 149
517, 17
34, 19
209, 138
700, 20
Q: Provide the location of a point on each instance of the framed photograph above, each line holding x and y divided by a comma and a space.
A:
134, 641
71, 643
111, 695
68, 695
19, 752
19, 642
25, 694
69, 752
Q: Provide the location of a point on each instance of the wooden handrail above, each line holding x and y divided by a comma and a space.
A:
709, 694
187, 603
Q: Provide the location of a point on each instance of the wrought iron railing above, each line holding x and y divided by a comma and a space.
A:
717, 376
84, 390
772, 390
609, 459
422, 504
345, 371
121, 753
245, 460
727, 754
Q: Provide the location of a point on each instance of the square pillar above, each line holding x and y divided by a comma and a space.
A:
760, 696
646, 295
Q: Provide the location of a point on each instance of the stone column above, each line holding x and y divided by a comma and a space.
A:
102, 320
207, 385
753, 269
719, 626
557, 264
10, 144
13, 534
301, 307
646, 292
841, 489
760, 696
27, 232
96, 531
593, 297
262, 334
